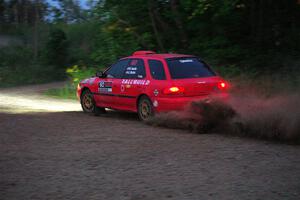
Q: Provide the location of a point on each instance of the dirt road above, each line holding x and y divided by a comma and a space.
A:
30, 99
52, 153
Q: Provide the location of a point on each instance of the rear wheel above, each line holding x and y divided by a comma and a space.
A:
145, 108
88, 103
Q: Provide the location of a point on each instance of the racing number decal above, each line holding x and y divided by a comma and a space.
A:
105, 87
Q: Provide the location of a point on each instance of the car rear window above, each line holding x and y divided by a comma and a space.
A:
181, 68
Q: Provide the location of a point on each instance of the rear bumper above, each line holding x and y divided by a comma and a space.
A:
164, 104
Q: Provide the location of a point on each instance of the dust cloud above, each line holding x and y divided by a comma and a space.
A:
275, 117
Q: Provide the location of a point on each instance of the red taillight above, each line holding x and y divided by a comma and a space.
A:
174, 90
222, 85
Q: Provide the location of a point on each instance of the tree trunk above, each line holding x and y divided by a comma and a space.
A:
162, 24
179, 24
25, 13
154, 26
16, 14
35, 31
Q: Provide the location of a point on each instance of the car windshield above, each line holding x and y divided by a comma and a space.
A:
181, 68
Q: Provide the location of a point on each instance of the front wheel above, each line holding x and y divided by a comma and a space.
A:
145, 108
88, 103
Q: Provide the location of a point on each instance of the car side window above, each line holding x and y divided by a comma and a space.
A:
117, 69
157, 70
135, 69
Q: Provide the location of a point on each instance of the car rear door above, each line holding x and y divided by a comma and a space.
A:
158, 77
134, 82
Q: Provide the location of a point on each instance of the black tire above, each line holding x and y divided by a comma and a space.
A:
145, 108
88, 103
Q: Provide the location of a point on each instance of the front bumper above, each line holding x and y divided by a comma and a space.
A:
78, 92
165, 104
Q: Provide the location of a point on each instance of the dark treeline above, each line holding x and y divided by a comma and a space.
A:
39, 40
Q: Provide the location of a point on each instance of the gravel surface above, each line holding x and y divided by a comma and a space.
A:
70, 155
31, 99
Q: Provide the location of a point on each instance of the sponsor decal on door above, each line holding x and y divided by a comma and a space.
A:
105, 87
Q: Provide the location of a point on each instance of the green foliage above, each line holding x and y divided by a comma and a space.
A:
229, 71
236, 37
56, 48
76, 74
23, 75
11, 56
16, 68
67, 11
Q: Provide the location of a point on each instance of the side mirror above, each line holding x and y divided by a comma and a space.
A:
100, 74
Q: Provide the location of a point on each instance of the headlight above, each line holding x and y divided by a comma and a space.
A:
78, 86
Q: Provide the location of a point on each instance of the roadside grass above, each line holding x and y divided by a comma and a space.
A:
66, 92
75, 74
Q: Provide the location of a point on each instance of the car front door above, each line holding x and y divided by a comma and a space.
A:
108, 87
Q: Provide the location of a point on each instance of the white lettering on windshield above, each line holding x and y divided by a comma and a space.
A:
186, 61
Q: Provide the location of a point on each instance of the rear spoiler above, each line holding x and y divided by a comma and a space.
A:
140, 53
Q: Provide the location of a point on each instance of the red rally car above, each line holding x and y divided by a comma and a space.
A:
148, 83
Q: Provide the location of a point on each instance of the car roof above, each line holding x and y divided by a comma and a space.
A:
153, 55
164, 56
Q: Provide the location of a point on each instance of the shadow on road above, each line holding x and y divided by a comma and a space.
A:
112, 114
